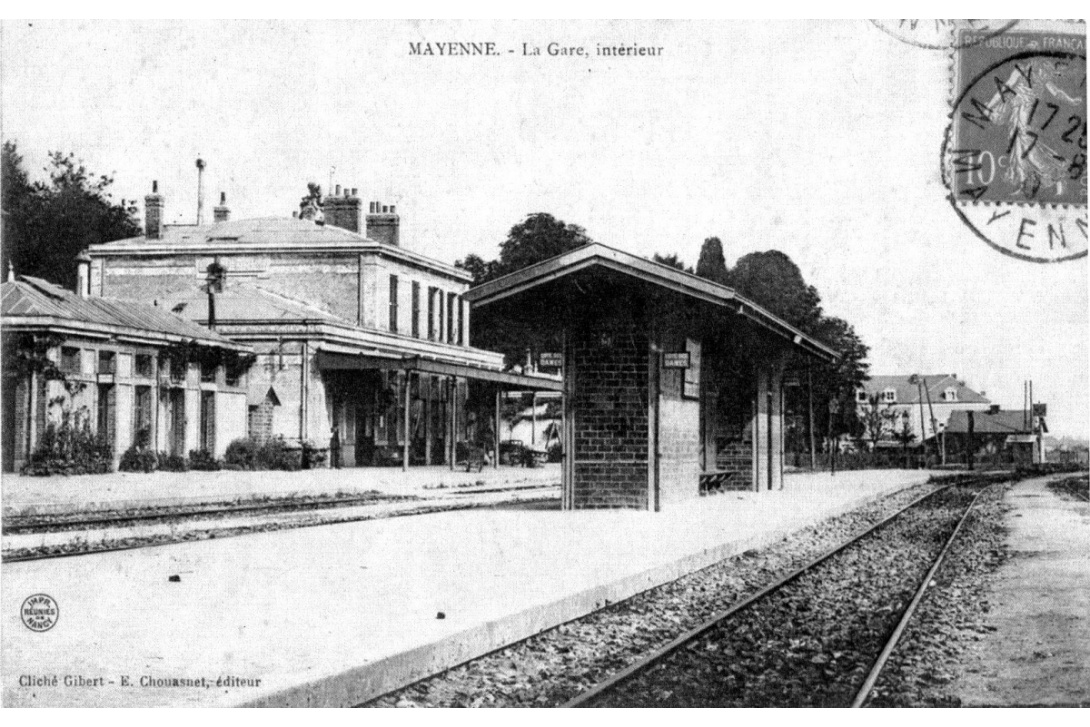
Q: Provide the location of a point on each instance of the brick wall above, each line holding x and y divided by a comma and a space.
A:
260, 421
736, 456
610, 408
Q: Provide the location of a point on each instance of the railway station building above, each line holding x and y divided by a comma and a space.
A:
131, 372
673, 384
352, 332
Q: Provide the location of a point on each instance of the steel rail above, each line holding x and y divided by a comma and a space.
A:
697, 631
906, 617
425, 507
270, 507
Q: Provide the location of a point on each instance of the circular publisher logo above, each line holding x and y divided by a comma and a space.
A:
39, 612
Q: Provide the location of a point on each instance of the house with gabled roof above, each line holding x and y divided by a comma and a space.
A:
919, 402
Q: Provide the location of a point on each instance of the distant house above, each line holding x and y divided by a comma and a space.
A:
133, 372
998, 436
919, 403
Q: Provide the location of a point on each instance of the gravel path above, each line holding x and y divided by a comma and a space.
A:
810, 643
554, 666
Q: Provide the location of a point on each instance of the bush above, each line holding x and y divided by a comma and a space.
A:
172, 463
138, 460
274, 454
241, 454
70, 449
202, 459
313, 458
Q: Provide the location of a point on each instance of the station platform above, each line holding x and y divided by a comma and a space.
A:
129, 490
334, 615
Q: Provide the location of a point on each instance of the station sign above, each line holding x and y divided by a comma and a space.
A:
1040, 410
679, 360
550, 359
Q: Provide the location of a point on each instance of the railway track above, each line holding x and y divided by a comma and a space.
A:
210, 515
735, 659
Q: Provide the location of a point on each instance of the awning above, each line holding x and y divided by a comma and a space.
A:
332, 361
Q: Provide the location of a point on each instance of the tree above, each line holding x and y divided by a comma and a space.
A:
712, 265
773, 281
478, 267
878, 422
47, 224
672, 261
538, 237
840, 380
310, 206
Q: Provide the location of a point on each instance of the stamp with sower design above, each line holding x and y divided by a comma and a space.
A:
1014, 159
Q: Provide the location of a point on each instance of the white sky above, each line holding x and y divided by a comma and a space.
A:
818, 139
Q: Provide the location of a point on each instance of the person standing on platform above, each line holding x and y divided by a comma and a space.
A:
335, 448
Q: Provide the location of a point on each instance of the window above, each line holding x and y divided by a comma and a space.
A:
208, 372
141, 436
393, 304
416, 310
450, 317
889, 396
70, 360
950, 394
861, 396
232, 373
431, 313
461, 321
107, 408
107, 362
144, 367
178, 368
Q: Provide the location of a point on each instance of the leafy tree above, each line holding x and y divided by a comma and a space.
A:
840, 380
478, 267
773, 281
310, 206
712, 265
878, 422
673, 261
47, 224
538, 237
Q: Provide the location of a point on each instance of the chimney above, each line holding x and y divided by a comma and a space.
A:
383, 223
83, 275
221, 212
153, 213
344, 211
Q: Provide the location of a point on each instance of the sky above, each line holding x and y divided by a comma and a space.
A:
819, 139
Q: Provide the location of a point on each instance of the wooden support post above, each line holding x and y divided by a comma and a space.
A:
813, 441
496, 429
408, 426
533, 419
452, 409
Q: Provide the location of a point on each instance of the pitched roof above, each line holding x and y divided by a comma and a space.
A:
245, 302
264, 230
1000, 422
909, 393
266, 233
35, 301
597, 254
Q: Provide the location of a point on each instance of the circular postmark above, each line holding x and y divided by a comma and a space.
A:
39, 612
943, 34
1014, 156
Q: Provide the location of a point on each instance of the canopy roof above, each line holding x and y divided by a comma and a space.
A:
597, 255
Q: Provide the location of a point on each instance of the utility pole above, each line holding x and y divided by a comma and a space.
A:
934, 424
200, 190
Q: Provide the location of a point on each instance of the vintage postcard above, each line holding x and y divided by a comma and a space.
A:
616, 363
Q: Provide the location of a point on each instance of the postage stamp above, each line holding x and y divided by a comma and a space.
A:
943, 34
1014, 158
